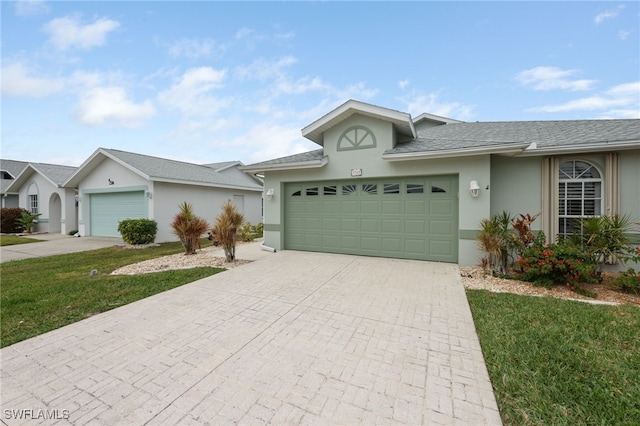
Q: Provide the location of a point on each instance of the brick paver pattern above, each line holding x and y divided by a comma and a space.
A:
292, 338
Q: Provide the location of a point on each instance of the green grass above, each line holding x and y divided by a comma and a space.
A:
12, 240
558, 362
40, 295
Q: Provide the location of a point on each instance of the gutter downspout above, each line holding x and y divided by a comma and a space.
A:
267, 248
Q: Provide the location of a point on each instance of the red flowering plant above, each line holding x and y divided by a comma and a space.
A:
561, 263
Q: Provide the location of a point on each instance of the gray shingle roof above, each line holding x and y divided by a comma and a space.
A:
165, 169
315, 155
14, 168
545, 134
56, 173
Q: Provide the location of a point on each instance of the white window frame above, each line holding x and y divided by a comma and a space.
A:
33, 203
583, 178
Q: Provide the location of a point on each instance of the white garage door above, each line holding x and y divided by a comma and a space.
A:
110, 208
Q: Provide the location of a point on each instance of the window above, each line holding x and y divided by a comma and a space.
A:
579, 194
330, 190
370, 188
437, 189
415, 188
5, 174
33, 204
312, 191
391, 188
348, 189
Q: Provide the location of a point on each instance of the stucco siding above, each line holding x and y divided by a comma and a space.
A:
516, 186
206, 202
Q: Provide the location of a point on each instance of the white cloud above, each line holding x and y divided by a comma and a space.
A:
69, 32
194, 48
621, 101
607, 14
31, 7
111, 106
192, 92
402, 84
263, 69
265, 141
623, 35
17, 81
432, 105
550, 78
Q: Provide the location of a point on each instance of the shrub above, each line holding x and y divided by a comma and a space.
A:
562, 263
189, 228
225, 229
629, 280
9, 217
495, 239
248, 232
138, 231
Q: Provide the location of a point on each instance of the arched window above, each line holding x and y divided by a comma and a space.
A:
580, 194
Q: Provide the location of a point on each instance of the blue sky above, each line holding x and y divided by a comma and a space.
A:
208, 81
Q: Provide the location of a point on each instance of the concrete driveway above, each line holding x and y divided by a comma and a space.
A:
291, 338
55, 244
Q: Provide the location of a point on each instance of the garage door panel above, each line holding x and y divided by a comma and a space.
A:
350, 243
331, 242
370, 225
370, 206
414, 226
440, 227
392, 206
370, 244
441, 207
331, 224
441, 247
330, 207
392, 225
415, 247
392, 245
349, 224
415, 207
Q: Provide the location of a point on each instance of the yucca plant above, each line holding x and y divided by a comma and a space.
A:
189, 227
225, 229
495, 239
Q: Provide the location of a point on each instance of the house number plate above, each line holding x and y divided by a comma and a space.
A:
356, 172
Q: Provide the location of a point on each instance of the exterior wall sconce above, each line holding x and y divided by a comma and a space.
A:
270, 193
474, 188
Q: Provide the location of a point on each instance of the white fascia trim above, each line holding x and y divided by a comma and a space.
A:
287, 166
599, 147
513, 149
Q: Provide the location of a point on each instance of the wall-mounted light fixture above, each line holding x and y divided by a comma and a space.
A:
474, 188
270, 193
110, 181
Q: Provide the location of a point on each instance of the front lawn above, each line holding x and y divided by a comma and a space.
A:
554, 361
12, 240
43, 294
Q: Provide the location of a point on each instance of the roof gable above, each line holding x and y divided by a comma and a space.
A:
400, 120
54, 173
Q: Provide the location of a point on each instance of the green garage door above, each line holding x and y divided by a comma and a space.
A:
410, 218
109, 208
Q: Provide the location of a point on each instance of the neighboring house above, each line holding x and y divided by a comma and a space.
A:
40, 190
384, 184
9, 170
114, 185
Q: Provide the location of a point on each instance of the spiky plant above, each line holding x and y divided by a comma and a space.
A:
605, 239
189, 227
225, 229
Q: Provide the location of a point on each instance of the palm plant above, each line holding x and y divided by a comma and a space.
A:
189, 227
27, 221
604, 238
225, 229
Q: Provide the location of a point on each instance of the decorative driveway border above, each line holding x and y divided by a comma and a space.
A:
292, 338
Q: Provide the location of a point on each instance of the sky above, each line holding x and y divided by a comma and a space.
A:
210, 81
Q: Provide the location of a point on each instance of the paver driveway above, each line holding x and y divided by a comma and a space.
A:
292, 338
